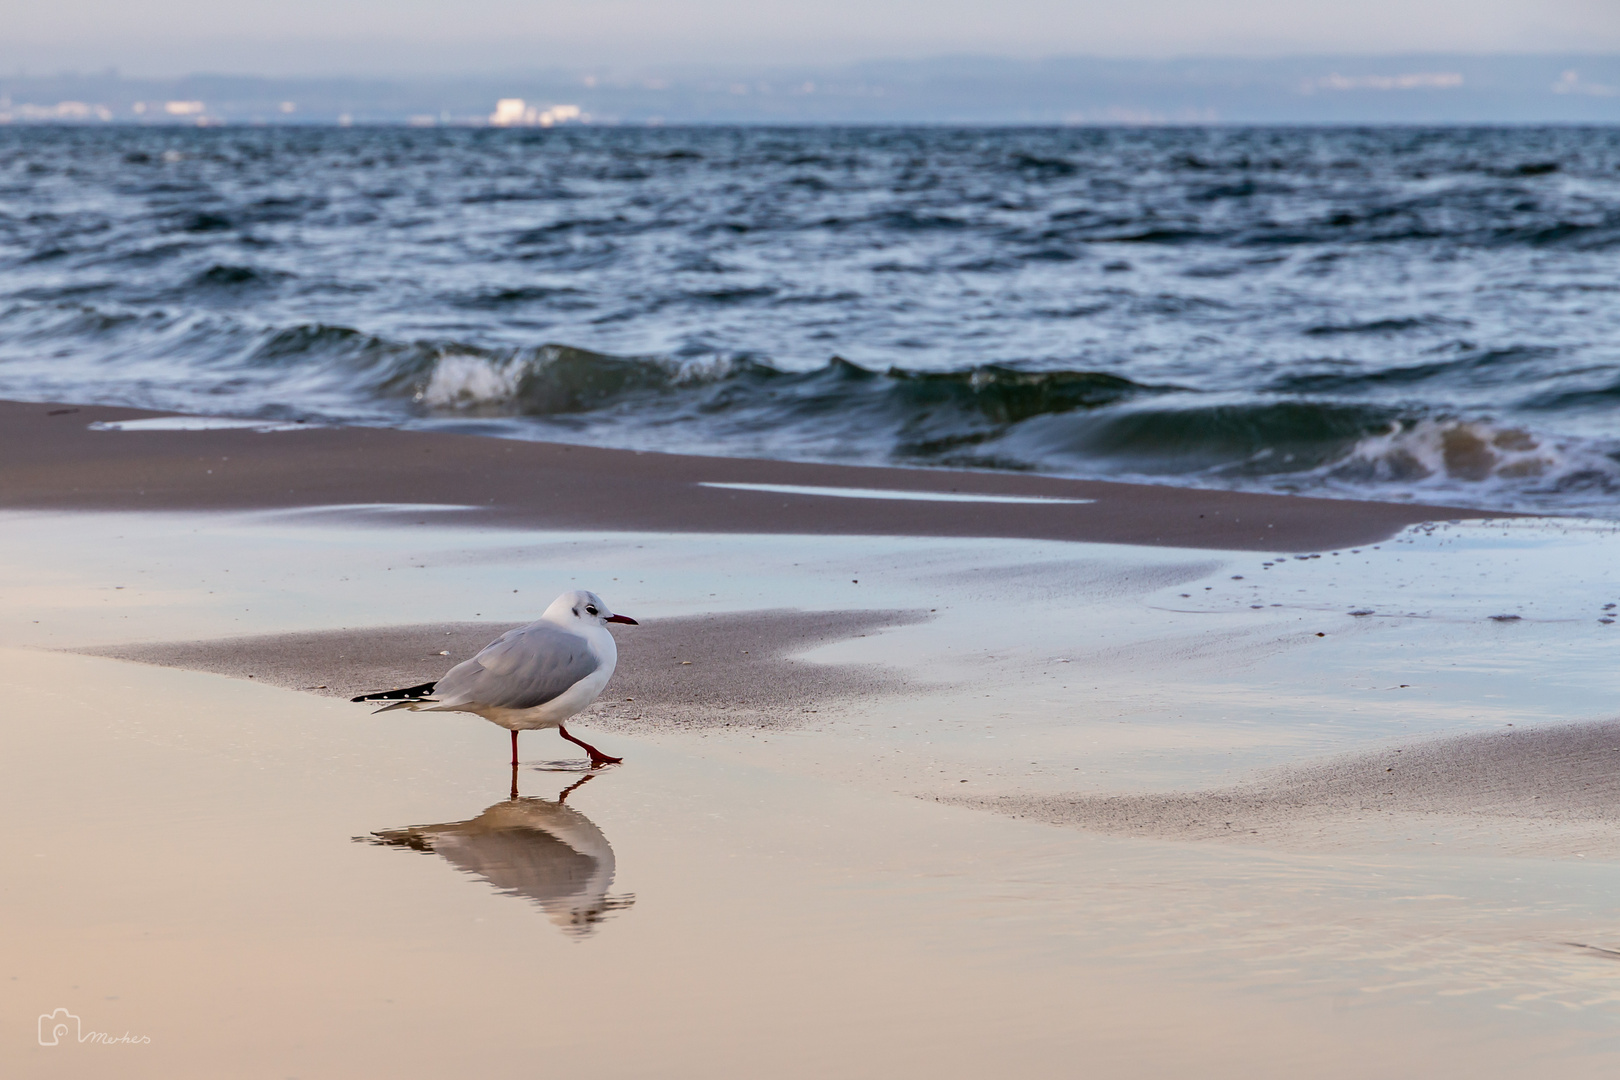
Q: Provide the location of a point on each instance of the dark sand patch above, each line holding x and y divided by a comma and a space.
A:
685, 672
1525, 790
50, 459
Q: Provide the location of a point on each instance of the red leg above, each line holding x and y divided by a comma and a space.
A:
597, 757
514, 748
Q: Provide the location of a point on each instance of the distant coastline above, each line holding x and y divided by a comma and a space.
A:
1433, 88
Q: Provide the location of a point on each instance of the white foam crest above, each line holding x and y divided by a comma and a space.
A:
470, 381
461, 381
1462, 454
695, 372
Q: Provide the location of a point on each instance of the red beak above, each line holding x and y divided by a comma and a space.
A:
627, 620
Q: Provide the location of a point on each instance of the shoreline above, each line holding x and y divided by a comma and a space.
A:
50, 459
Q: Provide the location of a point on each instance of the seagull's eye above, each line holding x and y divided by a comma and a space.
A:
591, 610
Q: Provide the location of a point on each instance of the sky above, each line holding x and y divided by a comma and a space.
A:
425, 37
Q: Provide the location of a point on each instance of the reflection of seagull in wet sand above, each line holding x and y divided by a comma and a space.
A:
544, 850
536, 676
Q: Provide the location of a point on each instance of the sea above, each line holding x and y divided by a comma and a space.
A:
1397, 313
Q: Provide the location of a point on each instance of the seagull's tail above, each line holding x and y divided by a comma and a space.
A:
408, 698
411, 705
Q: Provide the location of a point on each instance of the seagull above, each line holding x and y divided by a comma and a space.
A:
535, 676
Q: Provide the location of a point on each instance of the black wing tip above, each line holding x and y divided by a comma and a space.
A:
399, 695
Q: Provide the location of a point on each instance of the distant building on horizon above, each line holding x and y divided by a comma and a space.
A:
515, 112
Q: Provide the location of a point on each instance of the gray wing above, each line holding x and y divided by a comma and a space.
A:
519, 670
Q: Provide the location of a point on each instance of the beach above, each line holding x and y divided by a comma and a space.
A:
1147, 778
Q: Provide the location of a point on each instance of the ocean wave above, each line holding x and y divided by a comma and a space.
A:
558, 380
1069, 422
1477, 460
1381, 326
1487, 367
1208, 435
552, 380
225, 276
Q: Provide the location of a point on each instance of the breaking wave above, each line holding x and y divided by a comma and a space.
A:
1481, 462
1071, 422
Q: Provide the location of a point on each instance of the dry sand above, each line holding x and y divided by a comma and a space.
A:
50, 459
710, 670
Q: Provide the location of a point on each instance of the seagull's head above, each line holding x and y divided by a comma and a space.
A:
585, 607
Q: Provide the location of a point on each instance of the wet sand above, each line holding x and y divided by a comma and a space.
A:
50, 459
1539, 791
705, 670
1547, 789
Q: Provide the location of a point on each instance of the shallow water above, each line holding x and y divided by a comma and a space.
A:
272, 883
1378, 313
199, 870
